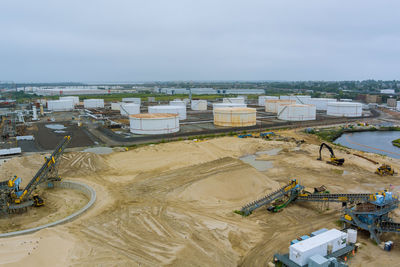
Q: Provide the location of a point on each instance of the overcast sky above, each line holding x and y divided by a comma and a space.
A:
130, 40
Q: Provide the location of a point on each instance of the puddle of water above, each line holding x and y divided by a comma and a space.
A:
59, 131
99, 150
260, 165
271, 152
345, 173
55, 126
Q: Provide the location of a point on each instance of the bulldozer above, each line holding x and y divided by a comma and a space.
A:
385, 170
333, 160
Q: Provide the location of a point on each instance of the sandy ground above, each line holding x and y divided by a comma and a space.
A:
172, 205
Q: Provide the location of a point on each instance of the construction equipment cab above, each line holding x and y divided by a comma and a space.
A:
334, 160
384, 170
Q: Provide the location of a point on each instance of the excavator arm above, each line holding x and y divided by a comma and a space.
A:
334, 160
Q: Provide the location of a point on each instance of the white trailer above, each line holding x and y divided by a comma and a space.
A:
322, 244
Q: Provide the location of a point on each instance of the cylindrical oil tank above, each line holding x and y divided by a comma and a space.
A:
296, 112
129, 109
344, 109
199, 105
228, 105
272, 105
300, 99
320, 103
155, 123
180, 110
234, 117
60, 105
177, 103
93, 103
74, 99
115, 105
234, 100
263, 98
136, 100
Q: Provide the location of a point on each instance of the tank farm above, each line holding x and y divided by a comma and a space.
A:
231, 181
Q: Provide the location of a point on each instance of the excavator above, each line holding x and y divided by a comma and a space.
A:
15, 199
333, 160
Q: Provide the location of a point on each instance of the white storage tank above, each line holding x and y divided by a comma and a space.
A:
177, 103
263, 98
60, 105
93, 103
234, 117
352, 236
234, 100
74, 99
296, 112
129, 109
228, 105
300, 99
115, 105
398, 106
155, 123
198, 105
322, 244
180, 110
320, 103
136, 100
344, 109
272, 105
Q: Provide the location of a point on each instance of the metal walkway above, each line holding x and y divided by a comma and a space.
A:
337, 197
390, 227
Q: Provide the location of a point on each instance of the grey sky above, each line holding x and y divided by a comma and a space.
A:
117, 40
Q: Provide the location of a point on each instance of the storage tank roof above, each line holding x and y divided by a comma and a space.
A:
236, 109
344, 104
167, 107
153, 115
296, 105
280, 100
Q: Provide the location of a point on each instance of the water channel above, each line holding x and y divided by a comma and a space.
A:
379, 142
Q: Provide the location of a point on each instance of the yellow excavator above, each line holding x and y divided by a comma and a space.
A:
385, 170
334, 160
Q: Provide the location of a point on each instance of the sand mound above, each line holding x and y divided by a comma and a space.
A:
243, 182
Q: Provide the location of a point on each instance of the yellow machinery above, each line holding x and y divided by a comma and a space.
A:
385, 170
333, 160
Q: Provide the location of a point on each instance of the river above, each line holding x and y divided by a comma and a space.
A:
379, 142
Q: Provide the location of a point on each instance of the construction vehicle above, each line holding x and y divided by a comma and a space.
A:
244, 135
367, 211
333, 160
14, 199
267, 135
385, 170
